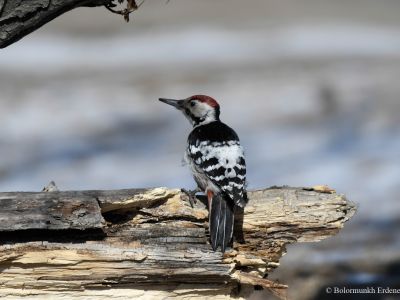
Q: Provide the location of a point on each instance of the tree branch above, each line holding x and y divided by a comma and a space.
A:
149, 239
18, 18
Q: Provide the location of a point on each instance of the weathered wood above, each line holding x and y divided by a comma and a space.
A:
152, 238
19, 17
50, 211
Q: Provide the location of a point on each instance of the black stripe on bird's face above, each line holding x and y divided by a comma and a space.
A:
194, 120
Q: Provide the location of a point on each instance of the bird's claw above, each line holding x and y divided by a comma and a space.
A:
191, 196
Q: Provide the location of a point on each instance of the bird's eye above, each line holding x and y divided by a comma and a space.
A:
192, 103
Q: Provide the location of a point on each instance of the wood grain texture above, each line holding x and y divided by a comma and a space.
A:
156, 246
50, 211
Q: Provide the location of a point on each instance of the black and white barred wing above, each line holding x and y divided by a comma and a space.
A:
224, 165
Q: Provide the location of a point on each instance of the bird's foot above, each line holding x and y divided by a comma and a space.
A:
191, 196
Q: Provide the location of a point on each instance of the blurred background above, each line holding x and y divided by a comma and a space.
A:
311, 87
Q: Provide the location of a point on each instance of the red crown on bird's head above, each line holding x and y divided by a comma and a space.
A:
205, 99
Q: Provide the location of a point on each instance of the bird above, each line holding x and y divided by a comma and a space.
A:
216, 159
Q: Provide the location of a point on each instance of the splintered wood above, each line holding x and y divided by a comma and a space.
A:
150, 244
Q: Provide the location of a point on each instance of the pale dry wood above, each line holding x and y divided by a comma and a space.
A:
154, 245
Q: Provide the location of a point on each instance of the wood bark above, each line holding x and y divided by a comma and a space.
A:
150, 243
20, 17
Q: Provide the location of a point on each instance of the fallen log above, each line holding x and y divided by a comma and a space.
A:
150, 243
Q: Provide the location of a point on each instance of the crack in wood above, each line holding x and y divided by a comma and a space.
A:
162, 240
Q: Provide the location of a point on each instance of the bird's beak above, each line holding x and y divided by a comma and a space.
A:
178, 104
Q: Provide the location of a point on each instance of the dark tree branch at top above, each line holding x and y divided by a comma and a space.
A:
92, 244
18, 18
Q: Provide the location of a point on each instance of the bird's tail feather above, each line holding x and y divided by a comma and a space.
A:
221, 218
